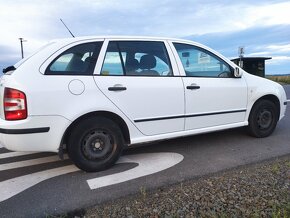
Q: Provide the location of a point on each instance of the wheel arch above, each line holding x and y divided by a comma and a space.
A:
270, 97
112, 116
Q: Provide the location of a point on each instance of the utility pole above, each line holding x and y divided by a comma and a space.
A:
21, 44
241, 52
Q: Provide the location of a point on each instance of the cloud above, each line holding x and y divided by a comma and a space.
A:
223, 25
255, 39
279, 48
272, 50
32, 20
279, 59
262, 53
266, 41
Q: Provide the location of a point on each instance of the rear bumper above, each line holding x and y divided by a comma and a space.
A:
24, 131
36, 133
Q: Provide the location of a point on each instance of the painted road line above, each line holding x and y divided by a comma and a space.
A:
31, 162
149, 163
15, 154
11, 187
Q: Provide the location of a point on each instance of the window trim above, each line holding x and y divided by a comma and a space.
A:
121, 58
104, 58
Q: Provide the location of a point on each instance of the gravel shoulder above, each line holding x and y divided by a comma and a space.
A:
258, 190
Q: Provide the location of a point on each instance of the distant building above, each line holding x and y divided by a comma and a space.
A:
253, 65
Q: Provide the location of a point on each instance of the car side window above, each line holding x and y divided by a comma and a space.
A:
198, 62
113, 62
136, 58
78, 60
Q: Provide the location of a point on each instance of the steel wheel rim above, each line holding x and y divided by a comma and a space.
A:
97, 144
265, 119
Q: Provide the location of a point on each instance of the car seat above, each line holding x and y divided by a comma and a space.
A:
147, 63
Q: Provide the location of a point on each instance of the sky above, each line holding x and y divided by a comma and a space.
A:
262, 27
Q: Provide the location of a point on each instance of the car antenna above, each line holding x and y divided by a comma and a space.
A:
67, 28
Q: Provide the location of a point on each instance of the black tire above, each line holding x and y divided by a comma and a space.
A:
95, 144
263, 118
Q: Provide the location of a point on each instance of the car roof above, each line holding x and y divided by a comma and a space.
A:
66, 41
120, 37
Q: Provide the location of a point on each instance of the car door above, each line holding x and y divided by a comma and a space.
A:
138, 77
213, 96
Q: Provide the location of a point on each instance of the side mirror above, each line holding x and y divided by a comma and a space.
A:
238, 73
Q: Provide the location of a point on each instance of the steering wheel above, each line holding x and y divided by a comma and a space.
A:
224, 74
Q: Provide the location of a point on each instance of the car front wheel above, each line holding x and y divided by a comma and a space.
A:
95, 144
263, 118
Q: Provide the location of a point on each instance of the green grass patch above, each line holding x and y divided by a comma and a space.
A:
275, 168
282, 211
280, 79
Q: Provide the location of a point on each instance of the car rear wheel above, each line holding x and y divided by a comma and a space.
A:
95, 144
263, 118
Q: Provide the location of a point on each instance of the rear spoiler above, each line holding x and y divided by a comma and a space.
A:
7, 69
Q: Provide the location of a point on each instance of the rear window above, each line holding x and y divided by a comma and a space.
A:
78, 60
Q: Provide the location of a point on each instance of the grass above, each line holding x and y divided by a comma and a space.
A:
280, 79
275, 168
281, 212
143, 192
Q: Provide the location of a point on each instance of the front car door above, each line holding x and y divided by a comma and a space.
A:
138, 77
213, 96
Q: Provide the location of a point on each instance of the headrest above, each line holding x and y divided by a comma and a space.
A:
132, 64
89, 60
147, 62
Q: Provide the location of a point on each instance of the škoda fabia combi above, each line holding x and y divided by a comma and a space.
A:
96, 95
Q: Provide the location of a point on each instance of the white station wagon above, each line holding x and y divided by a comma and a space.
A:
96, 95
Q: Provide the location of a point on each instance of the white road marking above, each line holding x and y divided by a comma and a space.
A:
31, 162
149, 163
14, 186
14, 154
288, 100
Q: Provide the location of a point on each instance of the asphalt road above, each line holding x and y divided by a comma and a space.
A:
38, 184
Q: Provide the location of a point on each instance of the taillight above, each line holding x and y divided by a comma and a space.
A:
15, 106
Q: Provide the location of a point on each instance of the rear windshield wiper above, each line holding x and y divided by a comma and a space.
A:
7, 69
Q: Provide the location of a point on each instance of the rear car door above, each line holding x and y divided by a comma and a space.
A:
138, 77
213, 96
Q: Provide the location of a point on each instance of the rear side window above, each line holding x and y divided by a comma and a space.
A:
78, 60
136, 58
198, 62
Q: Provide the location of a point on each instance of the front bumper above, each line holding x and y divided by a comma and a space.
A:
36, 133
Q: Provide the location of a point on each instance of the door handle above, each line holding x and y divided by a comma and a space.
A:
117, 88
193, 86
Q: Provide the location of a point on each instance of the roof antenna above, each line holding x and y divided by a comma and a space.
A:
67, 28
